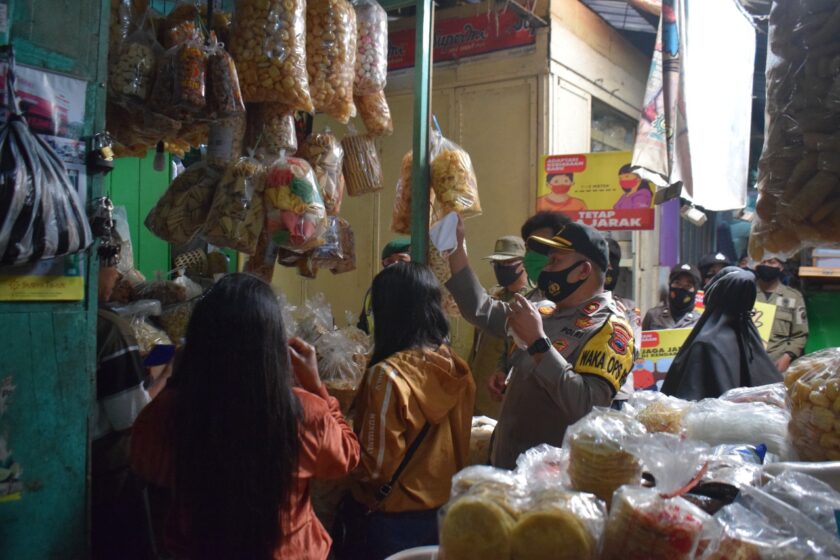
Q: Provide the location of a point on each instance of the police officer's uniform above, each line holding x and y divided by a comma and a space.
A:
790, 327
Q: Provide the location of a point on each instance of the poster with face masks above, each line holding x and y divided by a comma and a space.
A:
599, 189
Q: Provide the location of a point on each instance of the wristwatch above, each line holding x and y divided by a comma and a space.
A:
541, 346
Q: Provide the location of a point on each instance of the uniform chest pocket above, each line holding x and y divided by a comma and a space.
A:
784, 316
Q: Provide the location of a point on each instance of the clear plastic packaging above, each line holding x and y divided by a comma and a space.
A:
162, 97
226, 140
329, 253
342, 361
812, 497
347, 242
478, 524
642, 524
192, 287
314, 318
453, 180
164, 291
773, 394
371, 48
324, 153
189, 94
813, 385
271, 129
262, 264
124, 13
268, 42
175, 319
132, 70
483, 478
440, 267
331, 56
481, 434
147, 335
599, 459
236, 217
182, 210
799, 178
657, 412
295, 213
180, 25
375, 113
544, 465
362, 168
223, 93
401, 216
718, 422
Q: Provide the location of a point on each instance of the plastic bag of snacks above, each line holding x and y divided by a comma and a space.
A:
221, 24
347, 242
544, 465
657, 523
559, 524
295, 213
480, 435
164, 291
179, 26
375, 113
774, 394
717, 422
342, 361
331, 56
314, 318
138, 313
657, 412
226, 140
324, 153
371, 47
224, 97
329, 254
268, 42
362, 169
599, 456
810, 496
813, 384
236, 217
162, 96
401, 215
132, 70
440, 267
263, 262
175, 319
271, 129
453, 179
124, 13
182, 210
189, 94
799, 170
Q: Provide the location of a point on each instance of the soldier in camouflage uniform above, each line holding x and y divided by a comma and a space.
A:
790, 327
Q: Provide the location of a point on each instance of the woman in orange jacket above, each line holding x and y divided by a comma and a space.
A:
416, 393
232, 439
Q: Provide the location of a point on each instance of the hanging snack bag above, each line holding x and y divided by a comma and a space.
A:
271, 129
331, 56
224, 97
179, 26
189, 94
324, 153
268, 42
362, 169
132, 70
371, 47
813, 383
375, 113
453, 179
295, 213
182, 210
236, 217
226, 140
401, 216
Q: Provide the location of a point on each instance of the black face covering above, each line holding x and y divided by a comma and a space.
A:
680, 300
767, 273
507, 274
611, 281
555, 285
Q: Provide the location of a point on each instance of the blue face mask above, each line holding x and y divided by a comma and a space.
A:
534, 263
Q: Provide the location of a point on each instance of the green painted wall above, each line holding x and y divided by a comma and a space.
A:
49, 348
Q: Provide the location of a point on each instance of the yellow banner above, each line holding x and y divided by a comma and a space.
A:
657, 353
763, 316
41, 288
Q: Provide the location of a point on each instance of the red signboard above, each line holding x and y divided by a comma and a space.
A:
462, 37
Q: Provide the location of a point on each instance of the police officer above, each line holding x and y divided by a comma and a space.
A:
488, 351
576, 354
710, 265
678, 312
631, 313
395, 251
790, 327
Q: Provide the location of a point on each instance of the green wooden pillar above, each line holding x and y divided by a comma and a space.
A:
422, 124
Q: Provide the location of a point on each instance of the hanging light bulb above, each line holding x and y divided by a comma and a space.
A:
160, 160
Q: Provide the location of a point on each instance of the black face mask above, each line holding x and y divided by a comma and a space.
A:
611, 281
680, 300
767, 273
555, 285
507, 274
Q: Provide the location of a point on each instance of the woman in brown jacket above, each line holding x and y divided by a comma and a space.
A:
414, 381
232, 439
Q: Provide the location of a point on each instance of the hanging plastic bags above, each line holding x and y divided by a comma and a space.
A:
182, 210
271, 129
375, 113
295, 213
331, 56
453, 179
324, 152
362, 168
268, 42
371, 47
132, 68
224, 97
236, 217
41, 216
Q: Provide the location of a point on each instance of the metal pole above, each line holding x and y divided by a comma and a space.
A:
422, 123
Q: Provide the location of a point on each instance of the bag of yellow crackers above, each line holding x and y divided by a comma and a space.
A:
813, 385
453, 179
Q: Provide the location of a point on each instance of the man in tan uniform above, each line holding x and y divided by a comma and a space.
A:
790, 327
678, 312
576, 354
488, 351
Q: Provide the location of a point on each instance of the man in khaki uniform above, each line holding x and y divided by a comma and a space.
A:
790, 327
576, 353
678, 312
489, 353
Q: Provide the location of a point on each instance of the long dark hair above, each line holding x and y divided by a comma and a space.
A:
237, 422
406, 304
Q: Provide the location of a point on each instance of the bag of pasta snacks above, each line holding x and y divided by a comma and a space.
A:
236, 217
182, 210
224, 97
